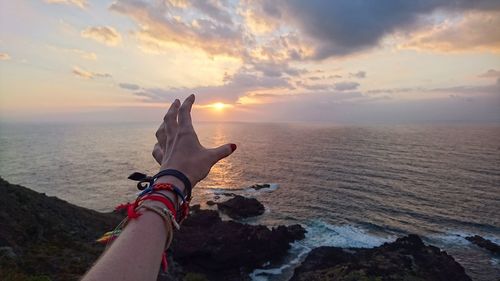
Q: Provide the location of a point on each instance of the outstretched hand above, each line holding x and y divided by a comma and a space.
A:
178, 146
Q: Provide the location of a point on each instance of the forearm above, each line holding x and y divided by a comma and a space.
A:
136, 254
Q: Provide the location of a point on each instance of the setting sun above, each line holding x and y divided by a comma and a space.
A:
219, 106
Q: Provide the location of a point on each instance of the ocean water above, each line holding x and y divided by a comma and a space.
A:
350, 186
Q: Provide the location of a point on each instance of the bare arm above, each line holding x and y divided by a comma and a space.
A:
136, 253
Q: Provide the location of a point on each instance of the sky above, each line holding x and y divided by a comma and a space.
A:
345, 61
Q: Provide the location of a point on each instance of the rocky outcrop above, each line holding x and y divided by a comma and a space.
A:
240, 207
407, 258
260, 186
484, 243
44, 237
228, 250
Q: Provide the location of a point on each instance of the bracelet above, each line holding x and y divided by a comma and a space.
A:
169, 187
172, 214
149, 181
179, 175
167, 217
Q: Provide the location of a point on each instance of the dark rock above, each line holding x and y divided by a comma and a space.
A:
240, 207
195, 208
210, 203
229, 194
296, 231
228, 250
7, 252
407, 258
260, 186
484, 243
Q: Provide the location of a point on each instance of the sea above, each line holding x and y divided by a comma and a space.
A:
349, 186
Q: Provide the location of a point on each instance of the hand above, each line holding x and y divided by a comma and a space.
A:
178, 146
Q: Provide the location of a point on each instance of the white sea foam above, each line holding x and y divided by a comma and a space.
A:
319, 234
458, 238
450, 238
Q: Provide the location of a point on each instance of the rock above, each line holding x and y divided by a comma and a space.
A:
296, 231
484, 243
228, 250
7, 252
240, 207
229, 194
407, 258
210, 203
195, 208
260, 186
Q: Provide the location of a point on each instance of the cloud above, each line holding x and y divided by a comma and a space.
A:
470, 89
492, 73
4, 56
81, 53
82, 4
275, 69
88, 74
84, 54
162, 23
346, 86
392, 90
339, 28
359, 74
214, 9
238, 85
103, 34
476, 31
129, 86
295, 30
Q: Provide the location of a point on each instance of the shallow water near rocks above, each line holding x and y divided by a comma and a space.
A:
350, 186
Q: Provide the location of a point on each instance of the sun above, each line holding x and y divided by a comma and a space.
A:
219, 106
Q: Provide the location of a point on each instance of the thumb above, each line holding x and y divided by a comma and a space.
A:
223, 151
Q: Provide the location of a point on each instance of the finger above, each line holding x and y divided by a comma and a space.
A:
170, 118
161, 135
185, 112
222, 151
157, 153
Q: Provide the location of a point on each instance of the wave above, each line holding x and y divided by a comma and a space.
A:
320, 233
457, 238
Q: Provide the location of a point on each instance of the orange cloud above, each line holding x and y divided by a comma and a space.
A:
81, 53
158, 28
476, 31
4, 56
82, 4
82, 73
103, 34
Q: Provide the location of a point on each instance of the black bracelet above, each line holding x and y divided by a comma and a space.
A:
179, 175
